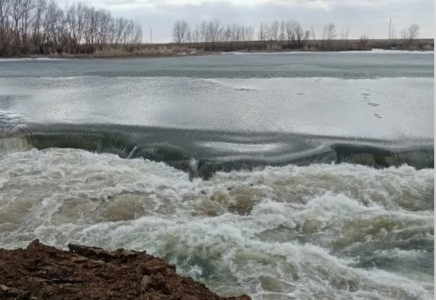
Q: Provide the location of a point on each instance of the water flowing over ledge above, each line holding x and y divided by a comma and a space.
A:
203, 153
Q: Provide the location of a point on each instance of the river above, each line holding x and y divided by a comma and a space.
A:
279, 175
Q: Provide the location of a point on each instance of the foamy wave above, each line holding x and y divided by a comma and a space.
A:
272, 233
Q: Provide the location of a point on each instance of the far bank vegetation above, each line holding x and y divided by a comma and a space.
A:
42, 27
45, 27
285, 35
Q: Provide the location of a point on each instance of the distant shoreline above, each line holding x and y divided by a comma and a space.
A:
99, 56
252, 47
134, 55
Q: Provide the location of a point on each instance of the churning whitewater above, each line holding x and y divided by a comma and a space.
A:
322, 231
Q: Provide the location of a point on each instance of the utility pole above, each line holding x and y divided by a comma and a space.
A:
390, 30
151, 35
261, 32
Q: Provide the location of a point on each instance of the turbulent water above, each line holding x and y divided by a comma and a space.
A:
283, 176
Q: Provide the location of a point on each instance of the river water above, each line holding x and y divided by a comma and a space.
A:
283, 176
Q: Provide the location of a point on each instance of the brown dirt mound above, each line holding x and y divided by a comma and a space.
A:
44, 272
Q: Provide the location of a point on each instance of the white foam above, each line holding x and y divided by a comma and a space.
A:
270, 233
14, 144
24, 59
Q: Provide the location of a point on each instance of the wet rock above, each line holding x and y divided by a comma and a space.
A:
310, 226
6, 291
244, 297
145, 282
127, 207
43, 272
273, 285
239, 201
33, 244
243, 200
220, 197
79, 259
208, 208
155, 265
243, 206
187, 297
24, 296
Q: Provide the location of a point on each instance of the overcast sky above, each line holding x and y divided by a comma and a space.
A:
361, 16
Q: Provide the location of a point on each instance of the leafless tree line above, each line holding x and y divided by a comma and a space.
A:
214, 35
284, 34
42, 27
407, 34
211, 32
214, 32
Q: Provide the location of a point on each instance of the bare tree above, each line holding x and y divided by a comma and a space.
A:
37, 35
290, 31
180, 31
5, 7
328, 34
410, 34
204, 33
299, 36
249, 33
363, 42
282, 31
344, 38
274, 30
195, 36
214, 31
27, 7
314, 37
413, 32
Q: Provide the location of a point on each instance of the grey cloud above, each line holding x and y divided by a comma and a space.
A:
371, 17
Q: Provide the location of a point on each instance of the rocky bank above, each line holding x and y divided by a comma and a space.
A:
44, 272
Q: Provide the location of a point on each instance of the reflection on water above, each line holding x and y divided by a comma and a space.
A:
324, 106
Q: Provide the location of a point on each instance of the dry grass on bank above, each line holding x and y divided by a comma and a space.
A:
136, 51
170, 50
